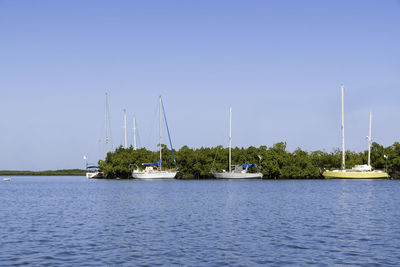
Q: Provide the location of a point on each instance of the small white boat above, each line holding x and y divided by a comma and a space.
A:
151, 172
240, 171
7, 179
237, 173
94, 174
93, 171
154, 170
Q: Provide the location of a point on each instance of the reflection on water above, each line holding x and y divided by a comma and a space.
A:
74, 221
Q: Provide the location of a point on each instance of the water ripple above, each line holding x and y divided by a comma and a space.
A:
72, 221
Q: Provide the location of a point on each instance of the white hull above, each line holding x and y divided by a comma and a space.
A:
162, 175
92, 175
237, 175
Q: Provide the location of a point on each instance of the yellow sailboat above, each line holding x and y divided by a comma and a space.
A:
359, 171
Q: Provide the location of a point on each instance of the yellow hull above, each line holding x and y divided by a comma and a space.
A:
354, 175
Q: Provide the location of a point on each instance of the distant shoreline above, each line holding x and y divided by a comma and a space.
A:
69, 172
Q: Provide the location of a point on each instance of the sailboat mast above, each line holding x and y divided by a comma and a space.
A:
343, 149
134, 132
160, 136
125, 136
230, 139
369, 139
106, 137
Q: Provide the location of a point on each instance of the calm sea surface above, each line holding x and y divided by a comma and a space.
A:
70, 221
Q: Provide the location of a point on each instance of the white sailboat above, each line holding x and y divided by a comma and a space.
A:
154, 170
93, 171
358, 171
240, 171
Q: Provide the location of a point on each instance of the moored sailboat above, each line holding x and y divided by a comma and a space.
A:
240, 171
94, 171
358, 171
154, 170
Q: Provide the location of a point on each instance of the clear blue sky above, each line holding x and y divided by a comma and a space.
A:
279, 64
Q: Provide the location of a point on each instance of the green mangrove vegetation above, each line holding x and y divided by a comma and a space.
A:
275, 162
68, 172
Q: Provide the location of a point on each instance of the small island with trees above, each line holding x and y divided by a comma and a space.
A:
275, 162
67, 172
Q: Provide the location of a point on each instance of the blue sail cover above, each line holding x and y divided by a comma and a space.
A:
248, 165
92, 167
158, 163
169, 136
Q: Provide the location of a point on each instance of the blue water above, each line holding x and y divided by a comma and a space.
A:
73, 221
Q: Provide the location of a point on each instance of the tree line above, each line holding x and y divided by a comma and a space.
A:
274, 162
67, 172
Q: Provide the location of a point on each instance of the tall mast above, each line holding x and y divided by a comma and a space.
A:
230, 139
106, 137
343, 149
369, 139
160, 135
134, 132
125, 137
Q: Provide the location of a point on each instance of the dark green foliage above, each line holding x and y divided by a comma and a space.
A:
274, 162
70, 172
392, 163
